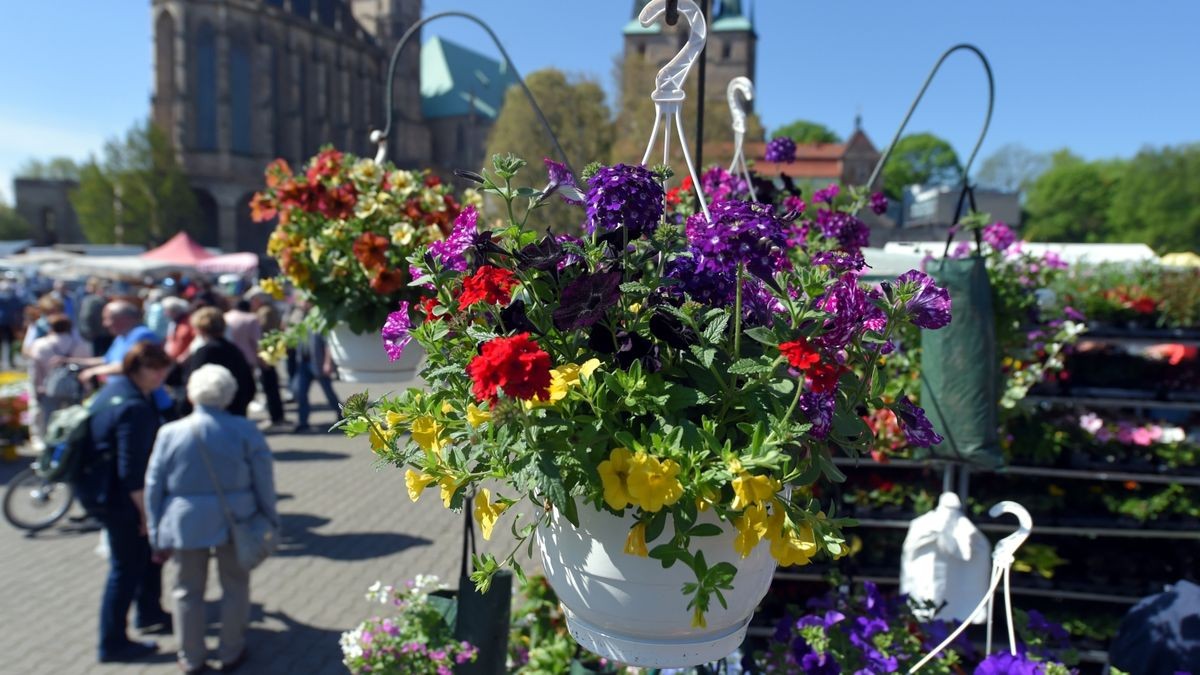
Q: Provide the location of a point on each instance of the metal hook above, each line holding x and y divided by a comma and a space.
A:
668, 92
987, 120
740, 85
381, 138
1006, 547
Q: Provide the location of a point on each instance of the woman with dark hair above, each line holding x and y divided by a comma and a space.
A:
124, 422
211, 346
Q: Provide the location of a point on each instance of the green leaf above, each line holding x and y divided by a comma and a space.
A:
704, 354
751, 367
634, 288
715, 330
760, 334
705, 530
655, 526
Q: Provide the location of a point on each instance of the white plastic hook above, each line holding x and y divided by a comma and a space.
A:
668, 92
380, 140
1002, 562
740, 85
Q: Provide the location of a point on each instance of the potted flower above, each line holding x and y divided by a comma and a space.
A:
662, 394
345, 229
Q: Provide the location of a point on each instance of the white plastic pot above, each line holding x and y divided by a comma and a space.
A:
629, 609
362, 358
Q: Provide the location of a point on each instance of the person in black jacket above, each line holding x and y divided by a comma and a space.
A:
124, 422
213, 347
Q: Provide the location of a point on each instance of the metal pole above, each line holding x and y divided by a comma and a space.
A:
704, 11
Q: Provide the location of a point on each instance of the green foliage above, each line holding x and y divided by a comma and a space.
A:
1157, 199
12, 225
804, 131
920, 159
56, 168
1071, 199
1011, 167
136, 194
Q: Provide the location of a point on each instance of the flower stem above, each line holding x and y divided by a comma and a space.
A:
737, 315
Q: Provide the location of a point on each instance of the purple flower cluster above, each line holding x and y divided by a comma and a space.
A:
623, 195
850, 233
719, 185
999, 236
917, 428
1004, 663
450, 252
740, 233
927, 304
396, 332
852, 310
781, 149
828, 194
860, 619
879, 203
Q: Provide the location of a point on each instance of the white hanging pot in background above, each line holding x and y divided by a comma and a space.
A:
629, 609
361, 358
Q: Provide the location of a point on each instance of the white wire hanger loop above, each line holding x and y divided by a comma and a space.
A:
668, 92
1003, 556
737, 112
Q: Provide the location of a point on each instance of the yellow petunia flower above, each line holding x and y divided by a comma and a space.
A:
381, 439
272, 287
794, 545
427, 433
562, 379
476, 416
653, 484
395, 419
486, 512
750, 489
447, 408
614, 476
635, 543
416, 482
751, 528
448, 486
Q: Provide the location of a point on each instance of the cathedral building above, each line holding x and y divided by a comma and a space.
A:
238, 83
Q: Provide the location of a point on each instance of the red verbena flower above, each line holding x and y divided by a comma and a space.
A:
371, 250
800, 354
823, 377
491, 285
515, 364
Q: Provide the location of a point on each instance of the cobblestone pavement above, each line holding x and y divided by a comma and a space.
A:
346, 525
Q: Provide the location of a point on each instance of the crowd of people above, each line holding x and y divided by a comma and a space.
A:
170, 374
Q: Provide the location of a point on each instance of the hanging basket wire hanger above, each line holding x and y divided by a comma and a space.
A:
737, 112
668, 92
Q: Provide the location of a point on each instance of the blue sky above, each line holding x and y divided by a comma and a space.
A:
1102, 77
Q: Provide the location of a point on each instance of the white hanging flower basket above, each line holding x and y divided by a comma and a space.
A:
361, 358
629, 609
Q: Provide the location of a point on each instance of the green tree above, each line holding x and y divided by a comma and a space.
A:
137, 193
1012, 167
1157, 199
920, 159
579, 116
12, 225
804, 131
1070, 201
635, 118
56, 168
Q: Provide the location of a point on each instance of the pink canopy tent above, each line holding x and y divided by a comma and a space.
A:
236, 263
179, 250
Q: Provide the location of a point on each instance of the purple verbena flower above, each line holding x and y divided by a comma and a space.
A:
739, 232
879, 203
918, 430
928, 305
623, 195
850, 232
781, 149
999, 236
828, 194
840, 261
719, 185
396, 332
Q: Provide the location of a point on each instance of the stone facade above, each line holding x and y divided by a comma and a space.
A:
46, 206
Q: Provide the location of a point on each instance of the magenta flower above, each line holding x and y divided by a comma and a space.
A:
396, 332
999, 236
451, 251
781, 149
828, 194
928, 305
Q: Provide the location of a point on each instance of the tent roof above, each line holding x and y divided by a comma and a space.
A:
180, 250
235, 263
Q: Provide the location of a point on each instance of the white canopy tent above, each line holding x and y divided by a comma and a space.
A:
1071, 253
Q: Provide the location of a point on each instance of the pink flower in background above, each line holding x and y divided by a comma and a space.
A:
1091, 423
1141, 436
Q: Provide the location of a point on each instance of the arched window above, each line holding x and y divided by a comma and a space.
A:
241, 88
206, 88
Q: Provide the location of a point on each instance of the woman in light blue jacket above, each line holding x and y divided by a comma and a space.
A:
185, 517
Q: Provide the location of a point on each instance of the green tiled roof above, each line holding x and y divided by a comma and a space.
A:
730, 17
456, 80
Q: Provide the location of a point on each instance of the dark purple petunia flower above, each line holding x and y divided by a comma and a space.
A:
928, 305
623, 195
396, 332
918, 430
853, 310
780, 149
879, 203
562, 182
828, 194
739, 233
999, 236
545, 255
586, 299
1004, 663
516, 320
626, 347
818, 408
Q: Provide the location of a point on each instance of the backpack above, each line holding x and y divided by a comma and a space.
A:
62, 384
71, 456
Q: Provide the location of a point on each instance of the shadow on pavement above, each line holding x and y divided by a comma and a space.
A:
299, 540
270, 651
307, 455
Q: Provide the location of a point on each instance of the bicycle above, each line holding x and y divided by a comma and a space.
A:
33, 503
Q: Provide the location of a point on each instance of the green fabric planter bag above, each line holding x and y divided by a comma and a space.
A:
960, 369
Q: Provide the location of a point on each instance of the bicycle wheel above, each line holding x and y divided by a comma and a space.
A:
32, 503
